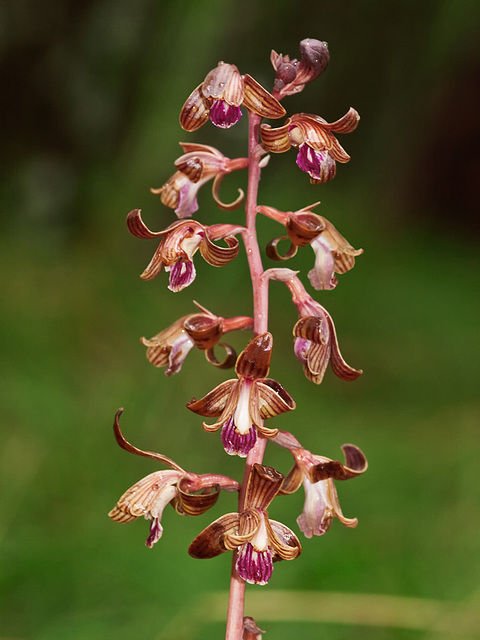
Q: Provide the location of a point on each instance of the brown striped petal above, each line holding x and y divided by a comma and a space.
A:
211, 541
343, 253
276, 140
355, 464
313, 328
214, 403
339, 367
273, 253
228, 361
282, 540
260, 101
346, 124
195, 111
223, 205
224, 83
254, 361
124, 444
140, 499
205, 330
263, 485
293, 481
219, 256
304, 226
192, 504
318, 357
250, 520
274, 399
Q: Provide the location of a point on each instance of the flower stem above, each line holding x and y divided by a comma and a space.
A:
260, 325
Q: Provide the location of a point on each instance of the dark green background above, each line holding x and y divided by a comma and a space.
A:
91, 95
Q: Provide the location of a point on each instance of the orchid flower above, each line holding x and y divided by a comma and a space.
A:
219, 98
259, 540
243, 404
318, 149
316, 342
179, 242
203, 330
333, 253
317, 474
152, 494
199, 164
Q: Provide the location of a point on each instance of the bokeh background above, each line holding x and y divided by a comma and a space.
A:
91, 95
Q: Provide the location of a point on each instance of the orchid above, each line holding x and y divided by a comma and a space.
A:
318, 149
150, 496
243, 404
219, 98
203, 330
316, 343
179, 242
333, 253
317, 474
199, 164
259, 540
239, 407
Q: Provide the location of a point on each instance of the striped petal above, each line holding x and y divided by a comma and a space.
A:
260, 101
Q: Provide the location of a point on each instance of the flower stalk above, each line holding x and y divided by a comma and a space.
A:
240, 406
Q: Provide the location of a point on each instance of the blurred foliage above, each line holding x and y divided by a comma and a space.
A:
92, 93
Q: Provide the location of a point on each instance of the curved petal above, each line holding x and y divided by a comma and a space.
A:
195, 504
274, 399
229, 360
144, 497
263, 485
124, 444
223, 205
214, 403
254, 361
224, 83
293, 481
355, 464
282, 540
219, 256
155, 265
346, 124
276, 140
138, 228
211, 541
339, 367
272, 251
260, 101
195, 111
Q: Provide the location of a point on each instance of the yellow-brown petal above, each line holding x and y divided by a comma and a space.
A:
141, 497
219, 256
355, 464
230, 206
224, 83
303, 227
260, 101
254, 361
339, 367
195, 111
211, 541
274, 399
228, 361
194, 504
205, 330
282, 540
293, 481
214, 403
273, 253
263, 485
276, 140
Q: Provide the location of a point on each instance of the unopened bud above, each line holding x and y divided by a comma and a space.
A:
315, 55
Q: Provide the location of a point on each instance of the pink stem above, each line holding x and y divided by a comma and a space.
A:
260, 325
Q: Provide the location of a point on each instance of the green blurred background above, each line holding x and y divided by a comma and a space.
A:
91, 96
